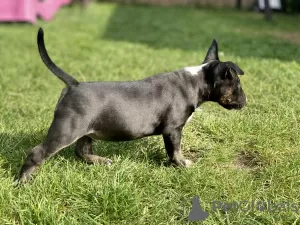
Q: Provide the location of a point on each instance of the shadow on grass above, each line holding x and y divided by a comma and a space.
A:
14, 148
239, 34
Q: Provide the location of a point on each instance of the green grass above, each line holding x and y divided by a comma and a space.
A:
251, 154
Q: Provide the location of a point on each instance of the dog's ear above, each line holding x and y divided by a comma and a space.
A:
212, 53
236, 68
232, 70
229, 73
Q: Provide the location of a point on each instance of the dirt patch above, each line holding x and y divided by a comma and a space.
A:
292, 37
249, 160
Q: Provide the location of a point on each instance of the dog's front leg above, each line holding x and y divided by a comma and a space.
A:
172, 142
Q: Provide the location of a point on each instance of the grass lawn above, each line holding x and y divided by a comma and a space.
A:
253, 154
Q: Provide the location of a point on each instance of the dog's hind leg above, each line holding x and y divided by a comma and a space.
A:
61, 134
84, 150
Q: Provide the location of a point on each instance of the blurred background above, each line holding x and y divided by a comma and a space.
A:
27, 10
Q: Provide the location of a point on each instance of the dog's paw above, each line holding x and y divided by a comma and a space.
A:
20, 182
16, 183
104, 161
182, 162
187, 163
108, 162
23, 179
95, 159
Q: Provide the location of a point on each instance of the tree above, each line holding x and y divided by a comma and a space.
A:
238, 4
268, 11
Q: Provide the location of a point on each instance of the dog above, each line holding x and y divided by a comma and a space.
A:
121, 111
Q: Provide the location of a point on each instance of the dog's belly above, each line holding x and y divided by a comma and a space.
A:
132, 122
121, 131
117, 136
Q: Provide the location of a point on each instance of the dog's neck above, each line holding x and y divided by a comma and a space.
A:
205, 81
205, 88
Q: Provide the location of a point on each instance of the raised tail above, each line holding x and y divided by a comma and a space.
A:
65, 77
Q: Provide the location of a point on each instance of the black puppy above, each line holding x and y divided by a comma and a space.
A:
121, 111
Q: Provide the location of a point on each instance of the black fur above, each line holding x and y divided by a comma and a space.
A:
66, 78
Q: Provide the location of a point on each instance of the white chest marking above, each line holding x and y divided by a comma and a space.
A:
194, 70
189, 119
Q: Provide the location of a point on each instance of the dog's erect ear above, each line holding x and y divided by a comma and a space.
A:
212, 53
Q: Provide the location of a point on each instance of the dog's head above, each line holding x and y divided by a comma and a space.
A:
225, 86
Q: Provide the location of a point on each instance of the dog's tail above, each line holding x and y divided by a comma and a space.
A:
66, 78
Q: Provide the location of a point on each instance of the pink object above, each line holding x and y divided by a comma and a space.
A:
28, 10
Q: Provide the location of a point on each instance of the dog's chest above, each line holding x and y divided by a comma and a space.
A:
189, 119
